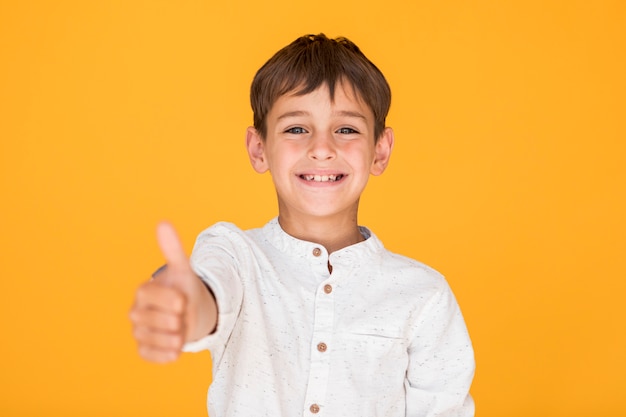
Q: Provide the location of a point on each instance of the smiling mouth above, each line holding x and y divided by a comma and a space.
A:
322, 178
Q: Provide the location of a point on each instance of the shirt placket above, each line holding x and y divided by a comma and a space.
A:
321, 347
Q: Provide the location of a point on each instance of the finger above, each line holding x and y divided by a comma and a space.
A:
154, 295
157, 321
153, 354
157, 340
171, 247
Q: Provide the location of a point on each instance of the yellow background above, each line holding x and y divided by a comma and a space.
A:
508, 176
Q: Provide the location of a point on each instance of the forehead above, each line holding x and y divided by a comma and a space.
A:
345, 101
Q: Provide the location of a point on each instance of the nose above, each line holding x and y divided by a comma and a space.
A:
322, 147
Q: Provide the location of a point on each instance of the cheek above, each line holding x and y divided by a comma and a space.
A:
361, 157
280, 167
286, 157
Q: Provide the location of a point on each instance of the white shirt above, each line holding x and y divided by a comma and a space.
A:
382, 335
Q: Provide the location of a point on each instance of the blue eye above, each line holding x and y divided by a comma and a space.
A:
346, 131
296, 130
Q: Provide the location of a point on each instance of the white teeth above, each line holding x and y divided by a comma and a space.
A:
322, 178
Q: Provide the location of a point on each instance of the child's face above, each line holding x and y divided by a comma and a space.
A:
320, 152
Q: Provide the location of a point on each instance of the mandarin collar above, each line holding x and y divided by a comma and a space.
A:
367, 250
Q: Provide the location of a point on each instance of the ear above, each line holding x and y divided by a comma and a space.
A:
256, 150
382, 152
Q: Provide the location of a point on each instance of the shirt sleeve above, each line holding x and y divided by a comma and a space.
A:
441, 361
216, 259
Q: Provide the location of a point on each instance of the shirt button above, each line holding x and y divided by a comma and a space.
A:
314, 408
322, 347
317, 252
328, 288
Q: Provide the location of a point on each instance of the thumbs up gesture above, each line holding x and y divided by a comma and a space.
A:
174, 308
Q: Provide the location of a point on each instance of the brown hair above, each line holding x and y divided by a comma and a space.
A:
313, 60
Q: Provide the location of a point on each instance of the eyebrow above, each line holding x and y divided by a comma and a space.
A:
342, 113
295, 113
348, 113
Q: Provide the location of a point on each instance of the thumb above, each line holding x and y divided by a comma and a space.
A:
172, 250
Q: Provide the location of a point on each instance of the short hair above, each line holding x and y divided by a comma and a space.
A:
311, 61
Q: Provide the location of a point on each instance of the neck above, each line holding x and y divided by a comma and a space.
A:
332, 233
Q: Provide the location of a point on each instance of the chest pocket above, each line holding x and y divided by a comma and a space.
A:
371, 358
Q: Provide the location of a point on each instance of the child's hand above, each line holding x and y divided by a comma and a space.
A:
166, 310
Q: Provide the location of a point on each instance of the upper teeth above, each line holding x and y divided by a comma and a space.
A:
321, 178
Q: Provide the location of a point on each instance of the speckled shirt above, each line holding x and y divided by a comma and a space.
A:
382, 335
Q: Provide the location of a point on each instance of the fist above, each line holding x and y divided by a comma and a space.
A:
164, 314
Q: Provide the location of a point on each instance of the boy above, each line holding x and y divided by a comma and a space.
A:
310, 315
